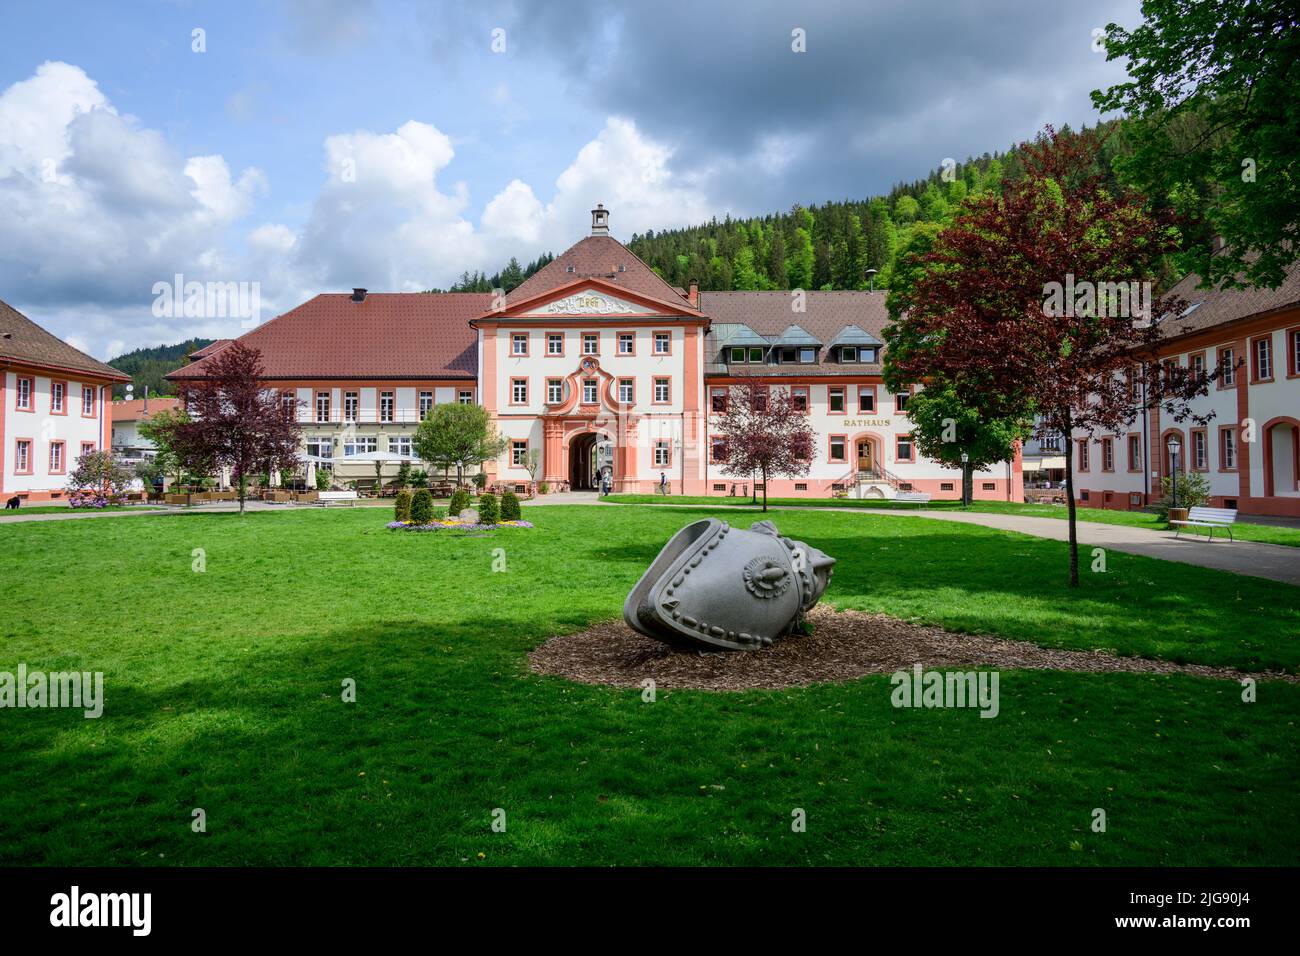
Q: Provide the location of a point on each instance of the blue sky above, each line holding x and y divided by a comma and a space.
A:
318, 145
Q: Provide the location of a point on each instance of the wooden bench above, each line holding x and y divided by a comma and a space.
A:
913, 497
327, 498
1210, 518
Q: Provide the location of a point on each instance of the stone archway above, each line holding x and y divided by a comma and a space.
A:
588, 453
1281, 456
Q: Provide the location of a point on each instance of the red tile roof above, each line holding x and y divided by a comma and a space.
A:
133, 410
420, 335
208, 349
1209, 308
598, 257
24, 342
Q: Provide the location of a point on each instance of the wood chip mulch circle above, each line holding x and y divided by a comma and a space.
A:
844, 645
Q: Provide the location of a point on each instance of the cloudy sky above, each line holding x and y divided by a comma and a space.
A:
315, 145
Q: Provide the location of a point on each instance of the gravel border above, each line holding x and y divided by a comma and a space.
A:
844, 645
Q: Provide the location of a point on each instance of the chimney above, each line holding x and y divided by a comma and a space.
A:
600, 221
694, 296
358, 295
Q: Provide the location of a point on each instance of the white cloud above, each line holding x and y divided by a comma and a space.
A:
95, 208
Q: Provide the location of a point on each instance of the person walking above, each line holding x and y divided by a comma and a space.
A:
663, 483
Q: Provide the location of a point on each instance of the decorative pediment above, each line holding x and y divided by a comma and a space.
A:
590, 302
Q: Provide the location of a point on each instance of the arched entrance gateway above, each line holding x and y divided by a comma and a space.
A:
590, 454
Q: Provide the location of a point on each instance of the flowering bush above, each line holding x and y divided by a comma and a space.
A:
98, 480
447, 524
88, 499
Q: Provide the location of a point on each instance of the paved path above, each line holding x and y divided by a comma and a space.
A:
1272, 561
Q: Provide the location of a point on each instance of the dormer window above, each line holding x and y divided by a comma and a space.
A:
746, 356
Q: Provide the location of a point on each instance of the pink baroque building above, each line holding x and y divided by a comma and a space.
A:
595, 365
55, 406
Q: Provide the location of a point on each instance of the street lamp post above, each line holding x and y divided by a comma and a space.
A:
1173, 469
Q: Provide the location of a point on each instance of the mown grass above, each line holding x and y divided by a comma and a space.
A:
62, 509
1242, 530
223, 692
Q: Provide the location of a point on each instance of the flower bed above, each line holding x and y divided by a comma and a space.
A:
447, 524
85, 499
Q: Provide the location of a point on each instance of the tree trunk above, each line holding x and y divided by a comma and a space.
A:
967, 489
243, 491
1069, 503
764, 473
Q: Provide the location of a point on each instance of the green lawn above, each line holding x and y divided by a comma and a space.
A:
60, 509
1242, 530
223, 693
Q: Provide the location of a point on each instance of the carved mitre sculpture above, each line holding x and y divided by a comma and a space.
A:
715, 586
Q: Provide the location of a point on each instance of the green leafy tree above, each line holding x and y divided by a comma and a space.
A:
160, 429
1215, 90
799, 264
458, 436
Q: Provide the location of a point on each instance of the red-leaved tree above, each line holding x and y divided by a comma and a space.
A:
235, 421
1040, 300
764, 431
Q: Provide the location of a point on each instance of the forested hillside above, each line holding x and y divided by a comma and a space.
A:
148, 366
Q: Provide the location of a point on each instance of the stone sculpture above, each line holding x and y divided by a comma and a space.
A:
714, 586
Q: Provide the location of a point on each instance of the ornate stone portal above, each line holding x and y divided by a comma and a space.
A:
714, 586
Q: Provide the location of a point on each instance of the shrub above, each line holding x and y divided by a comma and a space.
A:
322, 479
544, 488
510, 507
1193, 492
420, 478
403, 474
488, 510
459, 502
480, 481
402, 506
422, 507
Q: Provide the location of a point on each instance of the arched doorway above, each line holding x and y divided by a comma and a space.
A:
589, 454
1281, 457
1167, 453
867, 460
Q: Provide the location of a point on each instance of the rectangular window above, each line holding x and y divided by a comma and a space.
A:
900, 402
1198, 364
554, 343
1107, 454
58, 395
663, 391
88, 401
835, 399
23, 395
320, 447
866, 398
1263, 355
87, 448
1134, 452
807, 356
799, 398
838, 444
361, 445
554, 391
718, 449
1228, 448
626, 343
518, 453
519, 391
626, 391
519, 343
322, 406
718, 400
1083, 454
988, 486
663, 343
903, 450
738, 356
23, 456
288, 406
351, 404
1293, 337
663, 454
426, 404
465, 397
848, 353
1228, 363
759, 399
386, 406
756, 356
589, 391
590, 343
868, 355
1200, 450
399, 444
56, 458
